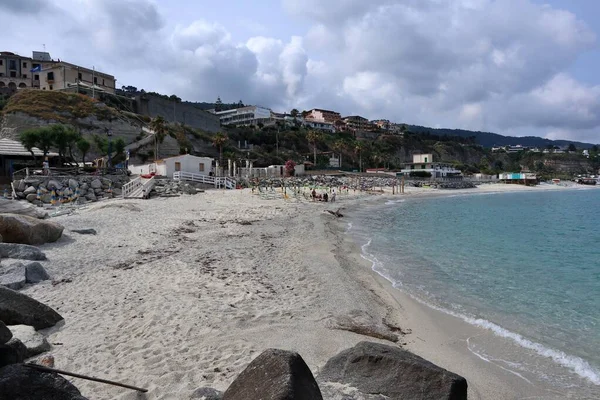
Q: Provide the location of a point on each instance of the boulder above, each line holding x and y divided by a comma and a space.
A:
13, 276
5, 333
96, 184
28, 230
275, 375
35, 273
84, 186
21, 252
31, 197
86, 231
206, 393
12, 352
90, 196
54, 185
29, 190
374, 368
73, 184
20, 207
98, 191
20, 382
20, 195
19, 309
35, 342
20, 185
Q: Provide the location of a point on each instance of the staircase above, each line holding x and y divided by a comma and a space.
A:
217, 181
138, 188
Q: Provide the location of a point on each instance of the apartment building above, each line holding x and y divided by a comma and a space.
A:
15, 71
65, 76
320, 115
251, 115
357, 123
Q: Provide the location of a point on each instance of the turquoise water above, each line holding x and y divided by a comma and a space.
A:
525, 266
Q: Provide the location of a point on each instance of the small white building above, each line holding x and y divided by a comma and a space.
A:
424, 162
168, 166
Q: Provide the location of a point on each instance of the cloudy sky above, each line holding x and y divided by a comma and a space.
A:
516, 67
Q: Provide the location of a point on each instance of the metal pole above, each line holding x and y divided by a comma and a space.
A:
93, 84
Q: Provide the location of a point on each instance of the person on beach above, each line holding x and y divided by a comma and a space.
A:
46, 166
333, 196
325, 197
314, 194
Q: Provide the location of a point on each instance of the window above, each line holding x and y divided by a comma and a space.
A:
24, 65
412, 167
36, 77
50, 87
24, 76
423, 166
50, 76
13, 74
12, 64
1, 62
102, 82
79, 75
201, 169
425, 159
95, 80
177, 166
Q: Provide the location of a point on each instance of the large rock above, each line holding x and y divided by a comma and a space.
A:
5, 333
20, 185
54, 185
13, 276
374, 368
73, 184
19, 382
275, 375
21, 208
206, 393
96, 184
35, 273
90, 196
30, 190
31, 197
27, 230
35, 342
12, 352
19, 309
21, 252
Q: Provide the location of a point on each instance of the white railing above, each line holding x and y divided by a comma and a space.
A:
220, 181
148, 186
131, 186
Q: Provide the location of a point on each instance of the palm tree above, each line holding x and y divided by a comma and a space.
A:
219, 141
339, 146
83, 146
313, 137
358, 149
158, 125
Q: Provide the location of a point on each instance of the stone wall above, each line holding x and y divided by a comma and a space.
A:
153, 106
81, 189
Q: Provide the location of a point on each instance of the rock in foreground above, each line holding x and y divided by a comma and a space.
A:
19, 309
374, 368
21, 252
275, 375
18, 382
28, 230
34, 341
5, 333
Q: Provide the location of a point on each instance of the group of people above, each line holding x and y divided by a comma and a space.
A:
323, 197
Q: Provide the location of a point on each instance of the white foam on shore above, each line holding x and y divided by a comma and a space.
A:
577, 365
392, 202
349, 228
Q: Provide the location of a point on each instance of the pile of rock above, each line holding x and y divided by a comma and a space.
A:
169, 187
366, 371
81, 188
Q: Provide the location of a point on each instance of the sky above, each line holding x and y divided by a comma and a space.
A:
514, 67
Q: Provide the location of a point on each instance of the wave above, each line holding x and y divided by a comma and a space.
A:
577, 365
392, 202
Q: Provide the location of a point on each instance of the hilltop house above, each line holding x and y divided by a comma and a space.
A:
425, 163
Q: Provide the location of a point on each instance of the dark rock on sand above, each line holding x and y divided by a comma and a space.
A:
35, 342
18, 382
5, 333
28, 230
206, 393
19, 309
275, 375
35, 273
12, 352
13, 276
21, 252
88, 231
374, 368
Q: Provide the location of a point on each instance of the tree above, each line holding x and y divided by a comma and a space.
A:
313, 137
158, 125
218, 104
572, 147
72, 136
219, 141
45, 140
119, 146
594, 149
358, 149
83, 146
29, 139
294, 113
60, 140
339, 146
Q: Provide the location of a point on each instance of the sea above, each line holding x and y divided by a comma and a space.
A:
523, 266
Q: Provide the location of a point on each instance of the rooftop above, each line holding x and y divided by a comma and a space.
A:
10, 147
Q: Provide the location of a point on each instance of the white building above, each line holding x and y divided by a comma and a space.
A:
324, 126
251, 115
168, 166
424, 163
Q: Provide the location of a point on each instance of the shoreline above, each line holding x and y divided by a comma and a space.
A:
443, 337
174, 294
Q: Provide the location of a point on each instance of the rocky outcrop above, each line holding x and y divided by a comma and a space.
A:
13, 276
275, 375
374, 368
206, 393
19, 309
5, 333
21, 252
21, 208
28, 230
19, 382
34, 342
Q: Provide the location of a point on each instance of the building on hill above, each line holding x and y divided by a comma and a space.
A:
250, 115
323, 126
320, 115
15, 72
66, 76
357, 123
423, 163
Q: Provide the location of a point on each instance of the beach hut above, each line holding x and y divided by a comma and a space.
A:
168, 166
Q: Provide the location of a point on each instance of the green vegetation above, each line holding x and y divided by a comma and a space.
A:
60, 137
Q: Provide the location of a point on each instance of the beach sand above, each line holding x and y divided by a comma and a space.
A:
173, 294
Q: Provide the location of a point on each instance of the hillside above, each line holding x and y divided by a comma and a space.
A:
489, 139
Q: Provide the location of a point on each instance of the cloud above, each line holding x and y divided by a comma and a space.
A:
24, 6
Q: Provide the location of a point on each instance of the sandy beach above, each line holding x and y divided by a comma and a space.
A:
173, 294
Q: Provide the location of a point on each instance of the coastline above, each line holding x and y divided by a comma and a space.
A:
180, 293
